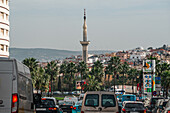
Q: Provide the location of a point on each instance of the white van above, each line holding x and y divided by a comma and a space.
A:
16, 90
99, 102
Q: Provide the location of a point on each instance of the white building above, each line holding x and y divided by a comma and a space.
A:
4, 28
135, 56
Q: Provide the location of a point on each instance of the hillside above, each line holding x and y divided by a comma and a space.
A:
43, 55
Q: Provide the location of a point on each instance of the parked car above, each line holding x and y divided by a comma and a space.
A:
48, 105
67, 106
152, 104
133, 106
16, 89
162, 105
71, 98
128, 97
77, 107
99, 102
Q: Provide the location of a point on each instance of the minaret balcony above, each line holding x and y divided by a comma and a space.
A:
84, 42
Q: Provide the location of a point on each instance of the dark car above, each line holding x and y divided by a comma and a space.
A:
133, 106
152, 102
67, 106
47, 105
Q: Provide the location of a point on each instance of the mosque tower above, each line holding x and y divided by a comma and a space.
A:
85, 43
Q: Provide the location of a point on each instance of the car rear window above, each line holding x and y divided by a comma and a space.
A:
92, 100
134, 105
48, 103
108, 100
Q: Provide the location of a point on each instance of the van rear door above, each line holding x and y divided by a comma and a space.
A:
91, 103
5, 92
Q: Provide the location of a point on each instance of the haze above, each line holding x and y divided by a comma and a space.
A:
112, 24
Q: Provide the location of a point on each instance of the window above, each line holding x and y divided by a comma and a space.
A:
2, 15
7, 32
108, 100
2, 32
7, 17
92, 100
6, 2
2, 47
6, 47
134, 105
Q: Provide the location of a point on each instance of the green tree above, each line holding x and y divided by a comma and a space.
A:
124, 68
82, 69
92, 84
165, 80
63, 71
32, 63
114, 64
52, 71
40, 79
132, 76
97, 71
71, 70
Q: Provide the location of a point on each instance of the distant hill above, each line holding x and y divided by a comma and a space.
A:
44, 55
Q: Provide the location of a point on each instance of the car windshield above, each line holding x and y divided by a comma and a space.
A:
92, 100
108, 100
68, 103
164, 104
79, 103
134, 105
61, 102
153, 101
48, 103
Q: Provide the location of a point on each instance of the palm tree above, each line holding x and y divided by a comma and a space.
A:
165, 80
40, 79
108, 72
97, 71
92, 84
114, 64
71, 70
52, 71
132, 75
82, 69
32, 63
63, 71
124, 70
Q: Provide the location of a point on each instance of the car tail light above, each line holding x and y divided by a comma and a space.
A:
144, 111
71, 107
74, 108
168, 111
52, 108
124, 110
82, 111
43, 99
14, 103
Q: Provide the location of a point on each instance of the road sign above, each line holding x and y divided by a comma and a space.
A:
154, 93
149, 66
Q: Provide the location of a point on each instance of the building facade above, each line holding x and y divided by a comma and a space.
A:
4, 28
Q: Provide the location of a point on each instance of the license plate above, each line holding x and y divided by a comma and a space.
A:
64, 112
40, 109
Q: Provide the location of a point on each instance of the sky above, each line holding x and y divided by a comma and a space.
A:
111, 24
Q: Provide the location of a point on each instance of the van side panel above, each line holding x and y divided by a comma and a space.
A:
6, 69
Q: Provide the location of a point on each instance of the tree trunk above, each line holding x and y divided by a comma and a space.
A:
81, 82
114, 81
51, 85
123, 81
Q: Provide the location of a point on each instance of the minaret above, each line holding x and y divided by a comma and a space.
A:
85, 43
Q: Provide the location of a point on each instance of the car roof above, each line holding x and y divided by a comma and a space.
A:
49, 97
99, 92
125, 102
